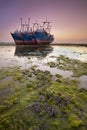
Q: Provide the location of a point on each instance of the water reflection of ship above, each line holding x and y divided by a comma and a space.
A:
38, 51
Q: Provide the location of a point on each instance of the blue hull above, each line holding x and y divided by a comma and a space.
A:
29, 39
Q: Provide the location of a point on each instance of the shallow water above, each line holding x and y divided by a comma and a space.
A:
83, 81
26, 57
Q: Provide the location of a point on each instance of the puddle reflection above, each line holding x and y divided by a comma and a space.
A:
41, 51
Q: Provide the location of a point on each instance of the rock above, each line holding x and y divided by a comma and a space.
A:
82, 90
57, 100
62, 101
51, 110
36, 107
42, 98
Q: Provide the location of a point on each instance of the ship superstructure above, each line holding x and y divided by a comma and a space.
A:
37, 34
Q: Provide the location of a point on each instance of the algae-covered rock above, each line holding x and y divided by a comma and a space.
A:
74, 121
38, 102
64, 63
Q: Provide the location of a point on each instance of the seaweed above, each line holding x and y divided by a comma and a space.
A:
36, 101
64, 63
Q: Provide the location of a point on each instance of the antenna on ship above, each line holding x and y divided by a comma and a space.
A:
46, 19
21, 24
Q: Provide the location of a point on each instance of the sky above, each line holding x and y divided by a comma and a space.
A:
68, 17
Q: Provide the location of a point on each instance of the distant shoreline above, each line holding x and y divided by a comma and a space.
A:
53, 44
70, 44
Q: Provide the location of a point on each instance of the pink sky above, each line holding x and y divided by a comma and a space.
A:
68, 17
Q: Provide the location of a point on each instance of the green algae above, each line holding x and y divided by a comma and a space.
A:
66, 81
37, 102
64, 63
74, 121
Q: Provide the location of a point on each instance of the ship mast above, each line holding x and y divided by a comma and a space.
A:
35, 26
46, 26
28, 25
29, 22
21, 24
